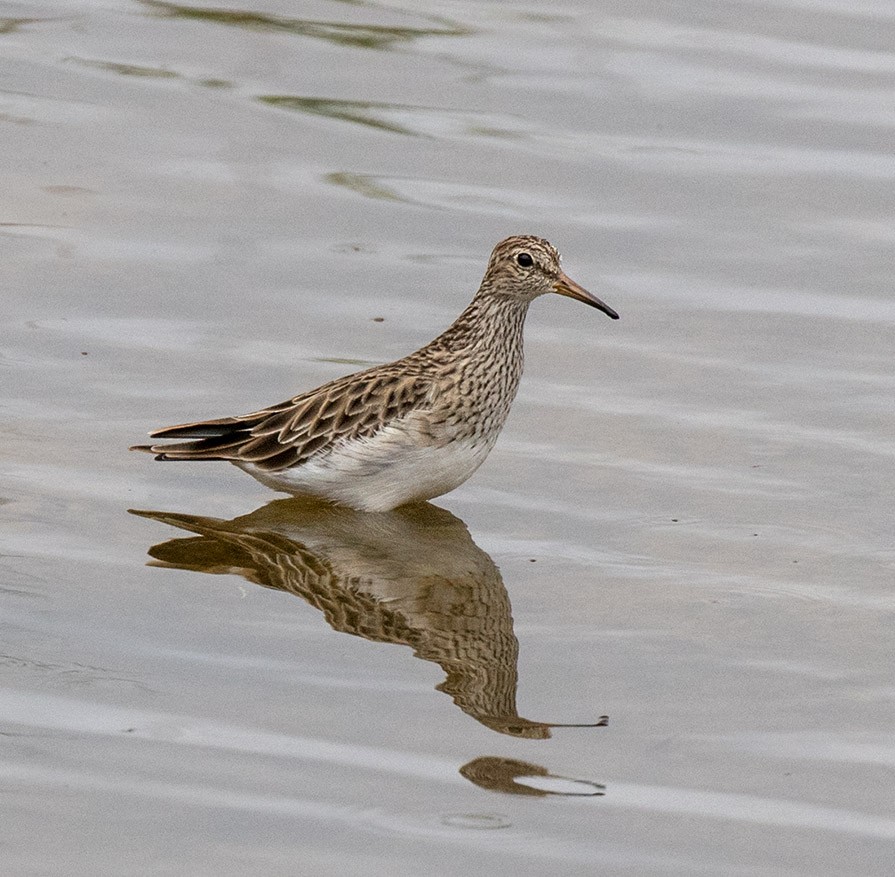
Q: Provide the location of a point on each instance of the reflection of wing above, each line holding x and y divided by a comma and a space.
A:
412, 576
275, 561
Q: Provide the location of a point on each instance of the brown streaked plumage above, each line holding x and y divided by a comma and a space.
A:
410, 577
406, 431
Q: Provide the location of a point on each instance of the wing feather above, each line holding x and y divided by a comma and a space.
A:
293, 431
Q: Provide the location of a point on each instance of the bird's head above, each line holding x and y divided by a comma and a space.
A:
526, 267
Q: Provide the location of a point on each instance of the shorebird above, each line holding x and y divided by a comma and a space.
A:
402, 432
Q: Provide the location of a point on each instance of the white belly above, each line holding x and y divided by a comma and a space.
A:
380, 473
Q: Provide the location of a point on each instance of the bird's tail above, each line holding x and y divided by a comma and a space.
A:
209, 440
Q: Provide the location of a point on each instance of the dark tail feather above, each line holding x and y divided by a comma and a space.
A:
201, 429
212, 440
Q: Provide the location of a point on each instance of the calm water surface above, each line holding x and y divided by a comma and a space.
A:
687, 525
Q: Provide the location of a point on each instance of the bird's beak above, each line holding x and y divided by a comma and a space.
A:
566, 286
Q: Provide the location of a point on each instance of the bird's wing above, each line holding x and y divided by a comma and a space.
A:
292, 432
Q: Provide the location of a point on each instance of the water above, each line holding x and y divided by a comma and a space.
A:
686, 526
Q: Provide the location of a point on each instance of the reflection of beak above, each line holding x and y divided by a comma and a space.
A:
566, 286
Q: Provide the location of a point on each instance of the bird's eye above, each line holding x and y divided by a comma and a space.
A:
525, 260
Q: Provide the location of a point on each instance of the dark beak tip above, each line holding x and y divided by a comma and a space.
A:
602, 306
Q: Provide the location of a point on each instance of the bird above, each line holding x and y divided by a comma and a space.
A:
405, 431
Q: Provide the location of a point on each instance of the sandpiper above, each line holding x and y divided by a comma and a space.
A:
402, 432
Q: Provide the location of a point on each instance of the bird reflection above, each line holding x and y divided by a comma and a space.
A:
412, 576
504, 774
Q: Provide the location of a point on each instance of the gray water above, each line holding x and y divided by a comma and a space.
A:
687, 525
